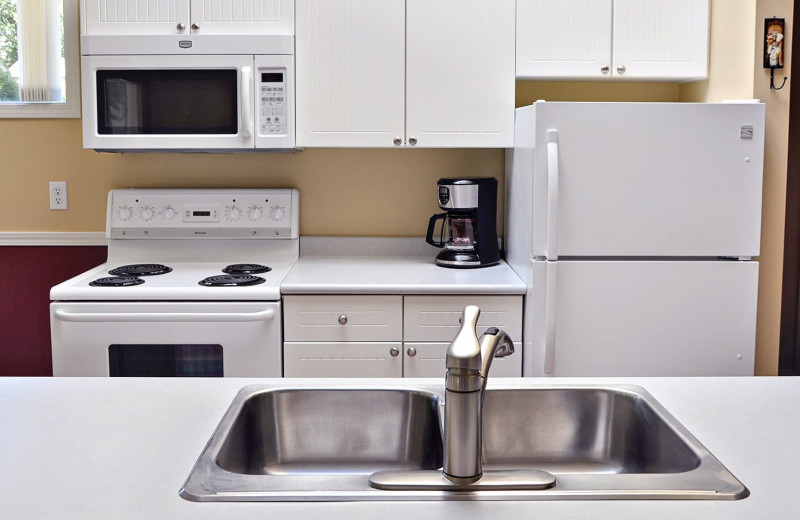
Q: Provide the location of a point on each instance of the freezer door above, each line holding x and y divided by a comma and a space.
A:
647, 179
638, 318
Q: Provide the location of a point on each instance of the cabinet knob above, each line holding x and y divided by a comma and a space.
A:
411, 352
394, 351
605, 69
412, 141
342, 320
398, 141
621, 69
195, 27
181, 27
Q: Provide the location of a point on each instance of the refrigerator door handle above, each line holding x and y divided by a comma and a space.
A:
550, 319
552, 195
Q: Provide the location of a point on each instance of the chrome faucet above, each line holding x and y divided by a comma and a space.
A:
468, 361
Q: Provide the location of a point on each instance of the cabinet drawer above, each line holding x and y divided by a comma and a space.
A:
436, 318
342, 359
343, 318
428, 360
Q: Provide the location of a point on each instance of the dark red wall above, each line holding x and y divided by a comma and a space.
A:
26, 275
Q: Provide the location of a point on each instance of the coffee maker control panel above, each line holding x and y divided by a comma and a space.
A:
444, 195
458, 196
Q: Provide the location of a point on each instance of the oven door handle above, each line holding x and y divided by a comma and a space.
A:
268, 314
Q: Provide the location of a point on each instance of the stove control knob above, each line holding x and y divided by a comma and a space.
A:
256, 213
147, 213
278, 213
169, 213
124, 213
233, 213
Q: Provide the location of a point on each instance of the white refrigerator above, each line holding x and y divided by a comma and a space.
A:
634, 226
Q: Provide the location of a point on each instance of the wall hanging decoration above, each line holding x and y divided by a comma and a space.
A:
774, 45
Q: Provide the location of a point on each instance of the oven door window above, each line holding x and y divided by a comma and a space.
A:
165, 360
167, 101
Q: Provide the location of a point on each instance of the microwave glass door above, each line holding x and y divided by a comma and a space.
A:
167, 101
127, 360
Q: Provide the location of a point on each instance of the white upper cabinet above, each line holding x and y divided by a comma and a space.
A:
661, 39
557, 38
592, 39
350, 72
177, 17
390, 73
460, 73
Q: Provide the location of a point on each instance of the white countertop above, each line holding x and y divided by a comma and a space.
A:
395, 275
100, 448
388, 265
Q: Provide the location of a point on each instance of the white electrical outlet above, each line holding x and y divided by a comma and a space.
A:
58, 195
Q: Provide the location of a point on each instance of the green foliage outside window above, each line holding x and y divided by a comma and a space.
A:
9, 90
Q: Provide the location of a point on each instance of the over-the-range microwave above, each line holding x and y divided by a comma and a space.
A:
189, 102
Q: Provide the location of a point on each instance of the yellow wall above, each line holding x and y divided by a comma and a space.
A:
773, 214
342, 191
391, 192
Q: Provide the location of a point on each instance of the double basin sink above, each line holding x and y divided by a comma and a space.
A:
323, 443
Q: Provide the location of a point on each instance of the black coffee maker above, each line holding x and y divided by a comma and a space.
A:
468, 234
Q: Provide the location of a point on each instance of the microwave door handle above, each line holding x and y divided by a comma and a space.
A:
247, 102
266, 315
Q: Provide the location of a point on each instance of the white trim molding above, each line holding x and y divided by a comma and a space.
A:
36, 238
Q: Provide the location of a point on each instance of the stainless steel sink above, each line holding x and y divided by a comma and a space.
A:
582, 431
321, 432
323, 443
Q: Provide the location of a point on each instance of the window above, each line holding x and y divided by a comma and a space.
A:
39, 75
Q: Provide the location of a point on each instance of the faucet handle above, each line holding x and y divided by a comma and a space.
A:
494, 343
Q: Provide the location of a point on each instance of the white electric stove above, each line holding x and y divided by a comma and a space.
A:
191, 287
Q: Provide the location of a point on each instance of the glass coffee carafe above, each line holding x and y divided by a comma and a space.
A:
457, 235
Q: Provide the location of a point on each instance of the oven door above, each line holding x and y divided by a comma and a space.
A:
169, 339
168, 102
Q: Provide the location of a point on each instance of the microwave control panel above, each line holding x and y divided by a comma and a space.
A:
272, 101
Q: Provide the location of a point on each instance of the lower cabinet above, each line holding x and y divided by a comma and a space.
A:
344, 359
388, 335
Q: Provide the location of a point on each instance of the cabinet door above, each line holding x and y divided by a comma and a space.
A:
112, 17
661, 39
556, 38
460, 73
428, 360
242, 17
343, 318
342, 359
438, 318
350, 63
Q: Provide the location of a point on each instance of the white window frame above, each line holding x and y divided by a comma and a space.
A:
72, 107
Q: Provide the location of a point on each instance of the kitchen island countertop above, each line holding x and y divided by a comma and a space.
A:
99, 448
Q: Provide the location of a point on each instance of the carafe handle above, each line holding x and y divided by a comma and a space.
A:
431, 225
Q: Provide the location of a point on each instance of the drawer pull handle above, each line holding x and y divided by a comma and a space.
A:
394, 351
411, 352
342, 320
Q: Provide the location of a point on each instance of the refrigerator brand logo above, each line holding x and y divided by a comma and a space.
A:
746, 131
